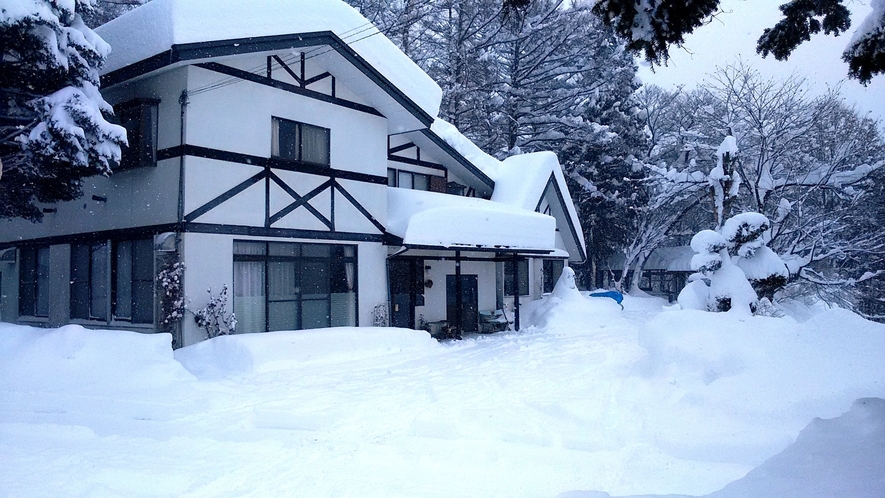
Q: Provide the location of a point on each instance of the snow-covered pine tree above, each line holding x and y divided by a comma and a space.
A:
103, 11
746, 236
53, 126
812, 166
721, 285
724, 180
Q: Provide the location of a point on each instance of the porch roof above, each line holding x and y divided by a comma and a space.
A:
434, 220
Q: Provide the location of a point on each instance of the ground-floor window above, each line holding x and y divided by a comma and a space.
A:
510, 280
552, 271
113, 279
292, 286
34, 282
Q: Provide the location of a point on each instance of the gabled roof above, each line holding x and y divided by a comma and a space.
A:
524, 181
167, 33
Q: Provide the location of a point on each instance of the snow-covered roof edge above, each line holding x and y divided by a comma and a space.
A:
522, 180
437, 220
157, 26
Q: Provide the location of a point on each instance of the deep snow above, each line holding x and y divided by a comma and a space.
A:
590, 400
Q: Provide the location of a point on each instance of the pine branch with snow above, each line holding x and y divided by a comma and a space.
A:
54, 123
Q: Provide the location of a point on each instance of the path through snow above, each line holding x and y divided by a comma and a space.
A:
634, 402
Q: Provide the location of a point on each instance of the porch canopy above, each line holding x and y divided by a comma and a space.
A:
436, 222
431, 220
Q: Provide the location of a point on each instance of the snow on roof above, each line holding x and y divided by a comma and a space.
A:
670, 259
156, 26
441, 220
521, 180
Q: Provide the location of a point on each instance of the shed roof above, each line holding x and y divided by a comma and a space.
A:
430, 219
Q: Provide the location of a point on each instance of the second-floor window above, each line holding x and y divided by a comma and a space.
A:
407, 179
300, 142
139, 117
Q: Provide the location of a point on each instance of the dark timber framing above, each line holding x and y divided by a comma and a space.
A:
181, 53
192, 227
415, 161
275, 163
282, 85
457, 156
268, 176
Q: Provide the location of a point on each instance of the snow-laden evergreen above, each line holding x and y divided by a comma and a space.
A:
54, 129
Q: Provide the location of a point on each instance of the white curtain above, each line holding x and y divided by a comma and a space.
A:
249, 296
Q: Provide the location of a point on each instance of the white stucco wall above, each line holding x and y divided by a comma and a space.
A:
208, 261
372, 264
237, 118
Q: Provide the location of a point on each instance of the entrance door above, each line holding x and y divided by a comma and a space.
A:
406, 277
469, 302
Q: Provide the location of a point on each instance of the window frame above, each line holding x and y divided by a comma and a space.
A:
550, 268
137, 282
303, 254
32, 283
131, 115
394, 176
84, 282
523, 277
299, 127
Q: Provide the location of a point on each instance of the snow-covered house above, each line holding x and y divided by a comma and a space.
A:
290, 152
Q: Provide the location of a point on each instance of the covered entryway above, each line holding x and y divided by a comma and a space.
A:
462, 302
406, 276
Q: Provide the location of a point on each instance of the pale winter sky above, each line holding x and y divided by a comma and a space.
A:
734, 33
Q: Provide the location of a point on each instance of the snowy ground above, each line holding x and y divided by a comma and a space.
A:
591, 400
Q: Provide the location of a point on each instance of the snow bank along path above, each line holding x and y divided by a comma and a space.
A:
590, 398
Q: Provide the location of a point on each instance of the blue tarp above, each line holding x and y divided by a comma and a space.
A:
617, 296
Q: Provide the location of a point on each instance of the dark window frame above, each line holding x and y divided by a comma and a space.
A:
141, 281
85, 277
33, 297
140, 118
298, 155
550, 268
393, 179
335, 261
523, 277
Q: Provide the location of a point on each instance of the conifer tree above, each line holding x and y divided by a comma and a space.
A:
53, 121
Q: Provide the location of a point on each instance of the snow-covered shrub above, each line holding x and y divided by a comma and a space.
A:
172, 297
381, 315
728, 261
719, 285
214, 317
745, 234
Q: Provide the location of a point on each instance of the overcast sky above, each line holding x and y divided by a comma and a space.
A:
734, 33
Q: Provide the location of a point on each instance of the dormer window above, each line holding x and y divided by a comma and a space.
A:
139, 117
300, 142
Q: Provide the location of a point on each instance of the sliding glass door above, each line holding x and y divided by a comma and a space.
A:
291, 286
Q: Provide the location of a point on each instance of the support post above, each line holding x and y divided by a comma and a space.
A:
458, 293
516, 292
